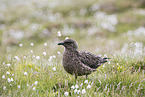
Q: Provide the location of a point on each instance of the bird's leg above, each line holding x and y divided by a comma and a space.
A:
86, 76
75, 75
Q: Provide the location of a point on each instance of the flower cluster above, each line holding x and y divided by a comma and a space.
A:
105, 21
80, 88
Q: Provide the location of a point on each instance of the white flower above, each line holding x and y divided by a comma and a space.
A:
54, 56
103, 65
32, 44
37, 57
8, 65
33, 56
44, 53
83, 91
66, 93
72, 87
45, 44
31, 51
89, 86
21, 45
4, 87
13, 74
10, 84
76, 86
109, 62
17, 58
25, 73
12, 79
78, 92
58, 33
50, 59
75, 91
105, 21
9, 80
7, 72
34, 89
19, 86
58, 52
24, 57
81, 84
54, 68
36, 82
3, 76
27, 84
66, 38
86, 81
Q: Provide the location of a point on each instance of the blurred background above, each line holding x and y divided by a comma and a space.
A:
99, 26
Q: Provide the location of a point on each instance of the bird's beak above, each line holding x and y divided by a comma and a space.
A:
61, 43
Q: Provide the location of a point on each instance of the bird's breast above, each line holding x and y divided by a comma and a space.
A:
68, 62
68, 57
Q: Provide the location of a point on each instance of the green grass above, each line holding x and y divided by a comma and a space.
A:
122, 76
39, 22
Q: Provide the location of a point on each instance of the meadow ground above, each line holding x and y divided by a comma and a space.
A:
31, 61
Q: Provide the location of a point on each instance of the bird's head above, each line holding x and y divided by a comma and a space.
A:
69, 44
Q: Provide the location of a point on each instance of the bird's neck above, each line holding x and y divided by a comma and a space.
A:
71, 50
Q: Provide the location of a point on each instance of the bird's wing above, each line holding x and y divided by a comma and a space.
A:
90, 60
82, 68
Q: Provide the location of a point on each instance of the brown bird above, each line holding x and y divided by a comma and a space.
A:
79, 63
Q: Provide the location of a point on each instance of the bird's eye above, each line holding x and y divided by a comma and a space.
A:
68, 42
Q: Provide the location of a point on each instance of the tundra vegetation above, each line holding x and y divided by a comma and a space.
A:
31, 61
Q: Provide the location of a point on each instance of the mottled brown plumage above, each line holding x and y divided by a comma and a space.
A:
79, 63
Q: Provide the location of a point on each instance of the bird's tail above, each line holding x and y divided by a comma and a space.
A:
104, 60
